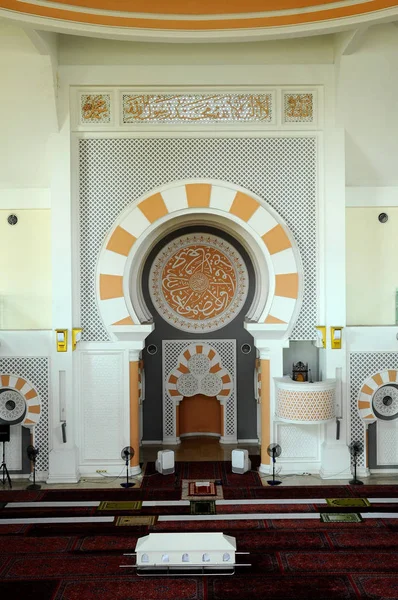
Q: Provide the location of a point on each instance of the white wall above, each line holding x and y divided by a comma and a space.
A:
26, 111
25, 267
367, 107
372, 275
74, 50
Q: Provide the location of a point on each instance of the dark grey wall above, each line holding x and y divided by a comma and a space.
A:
305, 352
245, 363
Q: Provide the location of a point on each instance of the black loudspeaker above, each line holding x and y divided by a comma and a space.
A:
4, 433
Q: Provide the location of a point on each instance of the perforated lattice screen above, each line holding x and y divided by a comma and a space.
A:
227, 352
35, 370
114, 172
362, 366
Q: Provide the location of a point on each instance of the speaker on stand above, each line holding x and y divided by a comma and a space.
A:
32, 453
5, 437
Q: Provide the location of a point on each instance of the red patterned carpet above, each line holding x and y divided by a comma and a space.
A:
290, 558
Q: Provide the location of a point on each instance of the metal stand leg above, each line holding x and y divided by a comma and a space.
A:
34, 485
4, 470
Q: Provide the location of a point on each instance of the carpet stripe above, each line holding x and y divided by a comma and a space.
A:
43, 521
380, 515
385, 500
166, 503
239, 517
50, 504
264, 516
271, 501
151, 503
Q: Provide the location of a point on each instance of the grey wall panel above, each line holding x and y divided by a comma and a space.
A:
246, 404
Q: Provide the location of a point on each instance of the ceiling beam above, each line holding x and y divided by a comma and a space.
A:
349, 42
46, 44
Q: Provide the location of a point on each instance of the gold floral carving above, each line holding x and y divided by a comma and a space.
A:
197, 108
198, 283
299, 107
95, 108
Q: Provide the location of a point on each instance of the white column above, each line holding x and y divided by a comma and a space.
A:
335, 458
271, 359
63, 457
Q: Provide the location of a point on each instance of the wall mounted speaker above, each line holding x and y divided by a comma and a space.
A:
4, 433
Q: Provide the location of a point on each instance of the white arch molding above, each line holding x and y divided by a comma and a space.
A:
261, 231
30, 396
190, 376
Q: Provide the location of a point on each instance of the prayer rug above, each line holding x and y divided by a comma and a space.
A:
187, 487
202, 488
114, 506
348, 502
203, 507
341, 518
135, 521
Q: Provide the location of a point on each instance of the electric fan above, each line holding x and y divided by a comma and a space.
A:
274, 450
126, 454
32, 453
355, 448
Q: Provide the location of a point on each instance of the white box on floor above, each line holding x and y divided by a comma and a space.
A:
165, 462
240, 461
186, 549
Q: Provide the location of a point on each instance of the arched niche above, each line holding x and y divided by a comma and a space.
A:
262, 232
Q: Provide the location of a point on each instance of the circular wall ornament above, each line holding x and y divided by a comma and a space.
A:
198, 282
188, 385
199, 364
211, 385
12, 407
385, 402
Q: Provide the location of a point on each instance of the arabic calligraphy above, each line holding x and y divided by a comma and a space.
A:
198, 281
215, 108
95, 108
298, 107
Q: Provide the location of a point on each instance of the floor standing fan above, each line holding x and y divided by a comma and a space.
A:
355, 448
32, 453
127, 454
274, 450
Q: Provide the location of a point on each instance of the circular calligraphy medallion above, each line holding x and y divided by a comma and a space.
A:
198, 282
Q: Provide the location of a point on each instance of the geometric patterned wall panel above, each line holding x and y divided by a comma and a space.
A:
114, 172
362, 366
226, 350
102, 406
387, 443
35, 369
13, 450
298, 442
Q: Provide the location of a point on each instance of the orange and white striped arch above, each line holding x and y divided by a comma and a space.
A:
261, 223
32, 398
215, 367
368, 389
